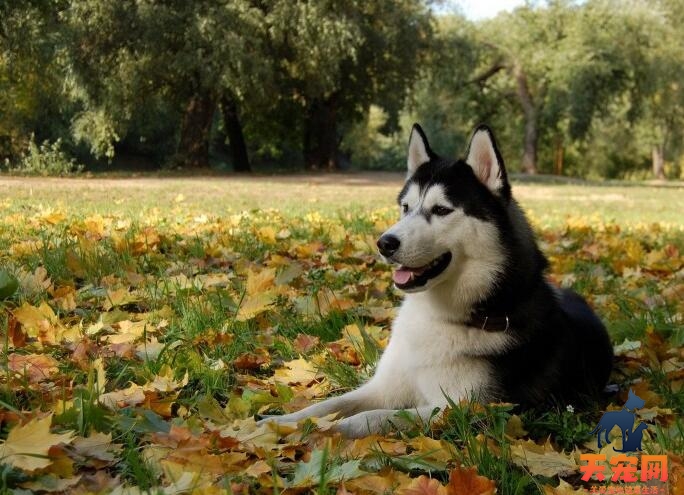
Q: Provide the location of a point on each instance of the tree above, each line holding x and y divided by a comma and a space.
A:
197, 55
341, 56
31, 75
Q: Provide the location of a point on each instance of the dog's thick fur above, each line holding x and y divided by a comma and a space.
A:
479, 318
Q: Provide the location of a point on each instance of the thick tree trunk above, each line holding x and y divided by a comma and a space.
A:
529, 159
320, 135
658, 161
193, 146
233, 126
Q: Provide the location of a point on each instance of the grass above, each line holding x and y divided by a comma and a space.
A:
353, 196
194, 293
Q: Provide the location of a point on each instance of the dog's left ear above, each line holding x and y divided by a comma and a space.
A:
484, 158
419, 151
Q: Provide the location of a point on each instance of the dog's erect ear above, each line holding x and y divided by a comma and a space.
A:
484, 158
418, 150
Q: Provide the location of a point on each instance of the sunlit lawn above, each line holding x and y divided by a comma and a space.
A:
155, 316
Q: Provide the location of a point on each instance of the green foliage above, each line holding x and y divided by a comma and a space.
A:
590, 89
45, 159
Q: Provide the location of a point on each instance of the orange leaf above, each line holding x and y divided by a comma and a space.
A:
422, 485
466, 481
252, 360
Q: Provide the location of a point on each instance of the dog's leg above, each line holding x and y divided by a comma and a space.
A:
380, 421
362, 399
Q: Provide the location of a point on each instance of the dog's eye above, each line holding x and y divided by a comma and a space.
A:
440, 210
404, 208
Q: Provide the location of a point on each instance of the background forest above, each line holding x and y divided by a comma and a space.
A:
591, 89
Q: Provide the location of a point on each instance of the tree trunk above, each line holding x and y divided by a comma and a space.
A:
320, 135
233, 126
193, 147
559, 152
658, 162
529, 159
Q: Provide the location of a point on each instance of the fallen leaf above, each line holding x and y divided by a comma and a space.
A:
466, 481
564, 488
27, 446
131, 396
542, 459
252, 360
33, 367
423, 485
165, 382
303, 343
51, 484
313, 472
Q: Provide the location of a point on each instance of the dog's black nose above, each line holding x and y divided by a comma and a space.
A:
388, 244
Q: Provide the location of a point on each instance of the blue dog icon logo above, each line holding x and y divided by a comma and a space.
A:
624, 419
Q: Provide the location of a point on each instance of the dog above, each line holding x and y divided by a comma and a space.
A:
624, 419
479, 321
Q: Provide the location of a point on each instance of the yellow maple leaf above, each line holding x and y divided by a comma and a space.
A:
542, 459
253, 305
297, 371
27, 445
38, 322
164, 381
259, 281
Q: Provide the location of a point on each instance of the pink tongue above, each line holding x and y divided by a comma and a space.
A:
401, 276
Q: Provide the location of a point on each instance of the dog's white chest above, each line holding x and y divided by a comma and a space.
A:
434, 357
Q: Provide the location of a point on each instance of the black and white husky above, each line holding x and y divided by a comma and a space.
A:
479, 318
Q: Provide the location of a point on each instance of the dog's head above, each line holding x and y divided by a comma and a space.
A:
634, 401
449, 211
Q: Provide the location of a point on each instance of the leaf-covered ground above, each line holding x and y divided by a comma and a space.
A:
151, 320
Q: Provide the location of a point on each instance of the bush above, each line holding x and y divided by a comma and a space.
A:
46, 159
370, 148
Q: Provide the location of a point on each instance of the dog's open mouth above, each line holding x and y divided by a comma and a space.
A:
407, 278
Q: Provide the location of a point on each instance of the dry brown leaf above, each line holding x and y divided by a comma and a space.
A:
542, 459
52, 484
33, 367
252, 360
130, 396
466, 481
387, 481
564, 488
304, 343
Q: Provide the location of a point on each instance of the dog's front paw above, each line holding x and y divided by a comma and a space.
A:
363, 424
276, 419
